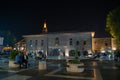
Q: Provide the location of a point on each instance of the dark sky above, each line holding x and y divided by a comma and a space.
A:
27, 17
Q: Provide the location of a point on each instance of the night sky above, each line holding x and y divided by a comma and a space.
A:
27, 17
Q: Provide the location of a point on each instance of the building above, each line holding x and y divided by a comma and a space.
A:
104, 44
65, 43
20, 45
1, 43
55, 44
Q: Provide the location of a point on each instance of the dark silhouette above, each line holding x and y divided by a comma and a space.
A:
25, 60
18, 59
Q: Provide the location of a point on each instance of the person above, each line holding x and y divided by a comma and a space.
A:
43, 57
25, 59
18, 59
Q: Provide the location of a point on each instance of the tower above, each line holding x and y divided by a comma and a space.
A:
45, 30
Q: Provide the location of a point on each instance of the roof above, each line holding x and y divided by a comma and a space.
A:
66, 33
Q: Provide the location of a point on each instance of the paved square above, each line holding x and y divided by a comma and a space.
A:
91, 74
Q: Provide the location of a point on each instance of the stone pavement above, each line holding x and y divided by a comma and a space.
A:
56, 70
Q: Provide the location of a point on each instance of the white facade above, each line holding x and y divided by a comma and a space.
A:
55, 44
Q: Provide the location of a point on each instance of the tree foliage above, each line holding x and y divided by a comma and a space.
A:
13, 54
113, 23
9, 38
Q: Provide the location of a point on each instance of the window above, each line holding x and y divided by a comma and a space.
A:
70, 41
106, 44
84, 42
36, 42
77, 43
57, 41
30, 42
42, 42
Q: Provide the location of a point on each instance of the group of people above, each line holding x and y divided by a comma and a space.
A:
22, 59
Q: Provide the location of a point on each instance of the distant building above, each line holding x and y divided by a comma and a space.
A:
1, 43
21, 45
104, 44
60, 43
65, 43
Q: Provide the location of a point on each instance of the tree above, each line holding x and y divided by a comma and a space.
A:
9, 38
113, 23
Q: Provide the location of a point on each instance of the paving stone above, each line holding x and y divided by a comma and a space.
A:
56, 70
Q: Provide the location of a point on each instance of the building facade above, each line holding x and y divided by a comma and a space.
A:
56, 44
66, 43
105, 44
1, 43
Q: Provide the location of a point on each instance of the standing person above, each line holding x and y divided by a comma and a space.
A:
25, 59
18, 59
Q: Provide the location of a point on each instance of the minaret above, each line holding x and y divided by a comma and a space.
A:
45, 30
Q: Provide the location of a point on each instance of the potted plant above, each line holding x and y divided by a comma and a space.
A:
42, 61
12, 56
75, 64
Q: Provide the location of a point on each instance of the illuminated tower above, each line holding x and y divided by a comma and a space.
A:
45, 30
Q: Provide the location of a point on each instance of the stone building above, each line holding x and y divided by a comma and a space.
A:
1, 43
55, 44
65, 43
100, 44
105, 44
